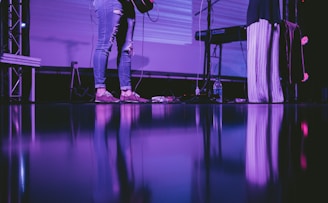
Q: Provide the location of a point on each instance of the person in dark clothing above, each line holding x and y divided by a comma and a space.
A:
116, 21
263, 30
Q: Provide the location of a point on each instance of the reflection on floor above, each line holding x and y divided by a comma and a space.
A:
163, 153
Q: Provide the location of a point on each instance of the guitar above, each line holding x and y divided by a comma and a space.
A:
143, 6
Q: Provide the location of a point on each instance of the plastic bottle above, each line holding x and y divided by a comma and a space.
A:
218, 91
197, 91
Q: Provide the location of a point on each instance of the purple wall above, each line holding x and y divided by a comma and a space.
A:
64, 30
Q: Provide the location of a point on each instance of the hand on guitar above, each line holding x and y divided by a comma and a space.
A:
304, 41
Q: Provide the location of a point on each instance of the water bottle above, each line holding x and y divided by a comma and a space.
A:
218, 91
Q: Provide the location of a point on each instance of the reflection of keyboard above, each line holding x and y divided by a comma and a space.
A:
223, 35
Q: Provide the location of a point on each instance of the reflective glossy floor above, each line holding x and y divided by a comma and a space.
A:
163, 153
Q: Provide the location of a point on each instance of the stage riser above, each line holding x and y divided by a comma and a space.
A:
55, 86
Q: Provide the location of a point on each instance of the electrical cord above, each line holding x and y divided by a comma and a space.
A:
143, 40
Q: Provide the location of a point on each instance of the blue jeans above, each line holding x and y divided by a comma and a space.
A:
116, 21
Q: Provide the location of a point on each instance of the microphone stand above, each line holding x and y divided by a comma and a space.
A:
208, 49
207, 57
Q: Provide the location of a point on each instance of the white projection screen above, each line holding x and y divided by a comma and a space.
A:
63, 31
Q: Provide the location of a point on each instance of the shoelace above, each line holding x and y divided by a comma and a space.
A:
108, 94
135, 94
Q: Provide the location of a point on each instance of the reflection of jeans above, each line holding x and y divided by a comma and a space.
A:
116, 20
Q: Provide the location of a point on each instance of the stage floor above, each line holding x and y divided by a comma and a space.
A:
163, 153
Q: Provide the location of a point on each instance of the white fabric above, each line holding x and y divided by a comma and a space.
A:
263, 79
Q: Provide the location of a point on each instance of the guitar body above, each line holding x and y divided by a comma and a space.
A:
143, 6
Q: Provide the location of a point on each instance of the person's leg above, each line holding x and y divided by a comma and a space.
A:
103, 47
125, 56
106, 37
263, 79
125, 52
125, 46
255, 62
276, 90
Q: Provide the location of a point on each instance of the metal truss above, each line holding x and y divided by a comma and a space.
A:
14, 59
15, 48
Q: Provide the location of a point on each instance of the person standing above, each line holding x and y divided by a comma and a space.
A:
115, 21
263, 30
